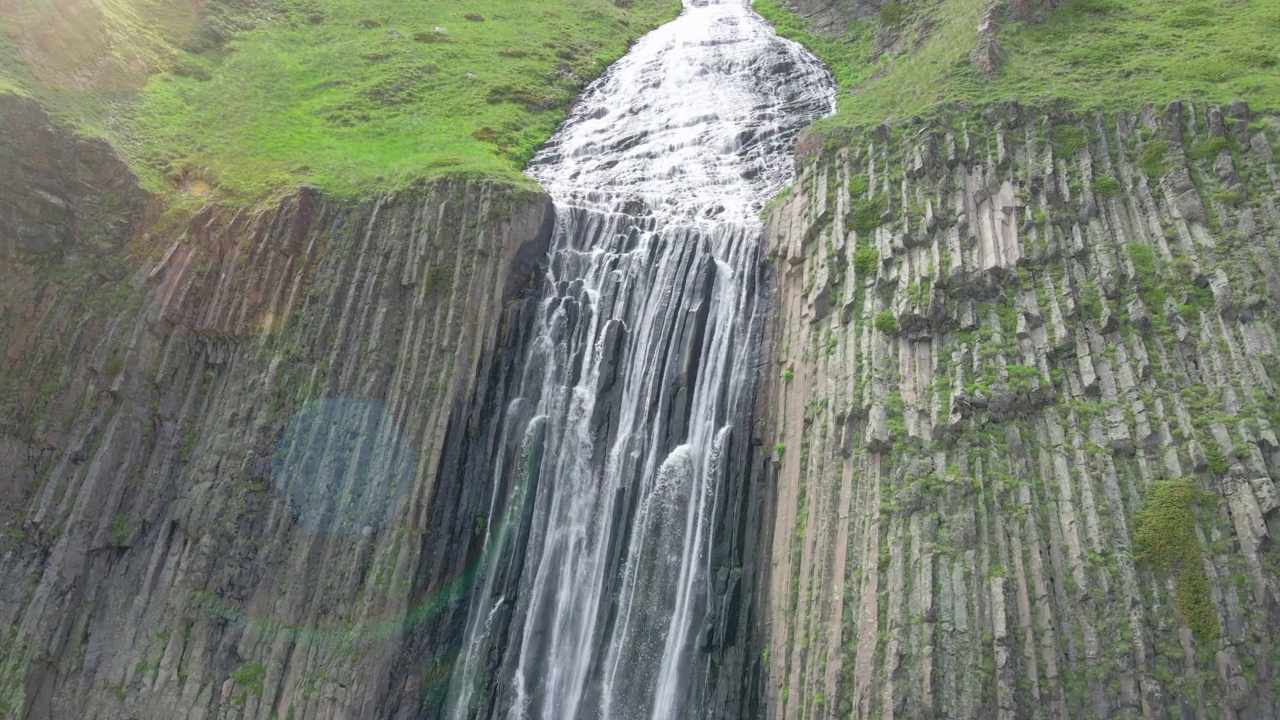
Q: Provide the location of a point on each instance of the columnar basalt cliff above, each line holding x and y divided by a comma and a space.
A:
221, 453
1023, 419
976, 420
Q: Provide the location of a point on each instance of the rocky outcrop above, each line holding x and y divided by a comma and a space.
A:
1030, 10
986, 55
59, 193
221, 455
834, 16
1002, 346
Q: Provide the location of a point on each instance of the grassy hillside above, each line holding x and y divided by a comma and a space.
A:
346, 95
1104, 54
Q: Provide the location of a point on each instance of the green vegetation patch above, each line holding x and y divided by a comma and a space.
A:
1165, 531
1209, 148
1150, 287
1089, 300
1217, 460
359, 95
865, 260
869, 212
1095, 54
119, 531
1152, 161
1067, 140
14, 77
893, 14
1106, 186
250, 676
886, 323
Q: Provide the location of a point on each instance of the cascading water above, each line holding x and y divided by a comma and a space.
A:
593, 597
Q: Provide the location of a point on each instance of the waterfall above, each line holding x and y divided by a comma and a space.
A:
593, 595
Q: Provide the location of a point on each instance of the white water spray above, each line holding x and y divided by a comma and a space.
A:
640, 369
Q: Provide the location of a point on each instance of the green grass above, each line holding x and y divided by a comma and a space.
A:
1152, 161
250, 676
355, 95
868, 212
1095, 54
886, 323
119, 531
1150, 286
14, 77
1165, 531
865, 260
106, 45
1106, 186
1067, 140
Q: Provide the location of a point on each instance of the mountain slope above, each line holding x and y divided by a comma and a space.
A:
238, 99
898, 60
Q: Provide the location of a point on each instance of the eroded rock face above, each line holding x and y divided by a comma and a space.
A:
236, 481
59, 193
956, 506
833, 16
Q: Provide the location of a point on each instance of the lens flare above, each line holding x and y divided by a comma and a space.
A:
343, 466
107, 46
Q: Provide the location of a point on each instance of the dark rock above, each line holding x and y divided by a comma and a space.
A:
60, 193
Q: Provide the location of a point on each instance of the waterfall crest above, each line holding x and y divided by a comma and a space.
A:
595, 589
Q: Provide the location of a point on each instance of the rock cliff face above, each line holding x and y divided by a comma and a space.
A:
59, 192
1024, 420
1018, 438
833, 16
221, 451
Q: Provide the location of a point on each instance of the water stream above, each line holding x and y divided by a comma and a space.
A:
594, 595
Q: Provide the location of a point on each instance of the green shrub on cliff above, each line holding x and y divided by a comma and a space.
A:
1152, 160
868, 213
119, 531
1106, 186
249, 676
1165, 531
865, 260
1067, 140
1150, 286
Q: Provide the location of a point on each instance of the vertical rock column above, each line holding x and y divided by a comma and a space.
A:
1009, 351
236, 442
